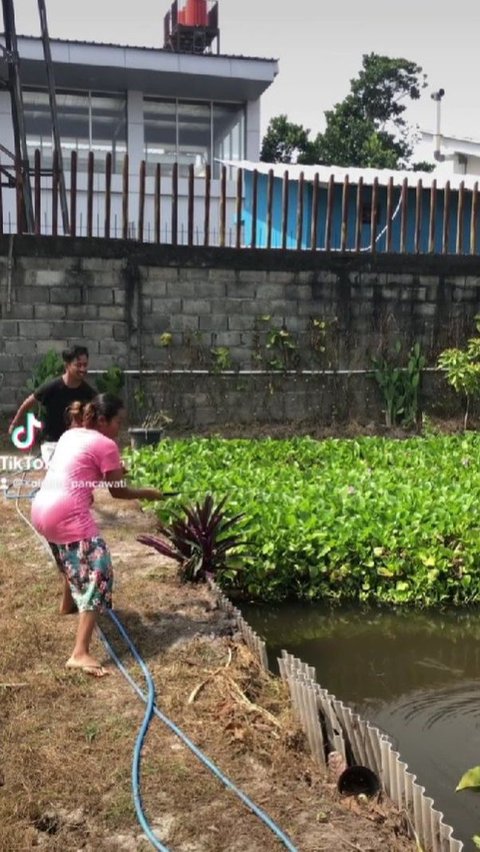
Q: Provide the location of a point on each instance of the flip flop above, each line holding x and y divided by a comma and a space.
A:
93, 671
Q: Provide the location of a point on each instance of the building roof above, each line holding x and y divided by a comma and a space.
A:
368, 175
153, 71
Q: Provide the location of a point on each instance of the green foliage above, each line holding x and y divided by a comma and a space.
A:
366, 129
49, 367
370, 520
199, 541
400, 387
462, 367
111, 381
222, 358
470, 780
285, 142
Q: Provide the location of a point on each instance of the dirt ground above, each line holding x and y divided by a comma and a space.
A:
66, 739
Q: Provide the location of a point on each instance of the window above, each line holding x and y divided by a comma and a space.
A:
160, 128
192, 133
228, 133
87, 121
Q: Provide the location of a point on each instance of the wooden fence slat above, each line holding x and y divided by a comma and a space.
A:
301, 194
73, 194
141, 202
253, 243
175, 204
108, 194
91, 171
157, 202
37, 203
206, 220
223, 205
238, 209
285, 194
418, 216
125, 181
344, 226
374, 216
388, 238
18, 191
358, 215
269, 207
474, 220
460, 209
446, 218
329, 213
191, 205
432, 217
404, 216
55, 181
315, 195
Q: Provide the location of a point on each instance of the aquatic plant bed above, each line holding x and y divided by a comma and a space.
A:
369, 519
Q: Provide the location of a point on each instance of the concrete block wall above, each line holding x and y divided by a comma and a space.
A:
160, 307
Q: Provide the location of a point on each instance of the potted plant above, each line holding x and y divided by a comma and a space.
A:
152, 425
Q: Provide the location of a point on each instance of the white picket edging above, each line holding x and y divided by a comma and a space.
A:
331, 726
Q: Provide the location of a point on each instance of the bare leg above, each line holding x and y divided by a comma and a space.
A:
68, 605
81, 657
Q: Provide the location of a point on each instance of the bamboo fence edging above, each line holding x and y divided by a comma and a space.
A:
330, 725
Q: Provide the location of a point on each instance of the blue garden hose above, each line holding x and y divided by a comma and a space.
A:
150, 710
179, 733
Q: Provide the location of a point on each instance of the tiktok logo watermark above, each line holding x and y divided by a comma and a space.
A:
23, 437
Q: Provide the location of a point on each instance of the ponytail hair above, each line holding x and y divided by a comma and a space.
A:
88, 414
74, 414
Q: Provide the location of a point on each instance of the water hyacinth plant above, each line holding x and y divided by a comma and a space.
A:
199, 541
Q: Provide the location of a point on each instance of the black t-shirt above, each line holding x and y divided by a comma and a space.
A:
56, 396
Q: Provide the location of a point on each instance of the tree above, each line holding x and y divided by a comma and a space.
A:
367, 128
284, 141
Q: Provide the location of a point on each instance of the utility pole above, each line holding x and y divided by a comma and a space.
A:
21, 151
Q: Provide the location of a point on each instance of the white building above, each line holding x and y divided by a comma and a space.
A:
451, 154
158, 105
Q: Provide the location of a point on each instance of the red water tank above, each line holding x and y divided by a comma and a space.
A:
196, 13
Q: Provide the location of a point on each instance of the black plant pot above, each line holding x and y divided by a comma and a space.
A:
144, 436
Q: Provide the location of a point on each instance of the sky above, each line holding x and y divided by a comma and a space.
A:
319, 47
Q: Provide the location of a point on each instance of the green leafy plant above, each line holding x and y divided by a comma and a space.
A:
199, 541
222, 358
370, 520
471, 781
49, 367
400, 387
111, 381
281, 342
462, 368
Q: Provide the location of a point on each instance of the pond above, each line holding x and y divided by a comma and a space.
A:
416, 676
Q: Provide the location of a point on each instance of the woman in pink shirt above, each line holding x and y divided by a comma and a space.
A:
61, 512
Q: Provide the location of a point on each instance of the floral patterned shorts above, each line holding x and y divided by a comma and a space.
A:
88, 569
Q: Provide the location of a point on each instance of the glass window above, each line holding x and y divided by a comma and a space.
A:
86, 122
192, 133
194, 136
109, 129
228, 133
160, 128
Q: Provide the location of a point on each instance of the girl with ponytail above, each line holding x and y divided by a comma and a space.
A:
85, 457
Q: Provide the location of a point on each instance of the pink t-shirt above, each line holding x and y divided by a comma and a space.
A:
61, 509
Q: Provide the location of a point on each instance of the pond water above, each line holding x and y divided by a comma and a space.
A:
414, 675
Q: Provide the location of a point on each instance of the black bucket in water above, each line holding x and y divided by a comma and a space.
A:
357, 780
